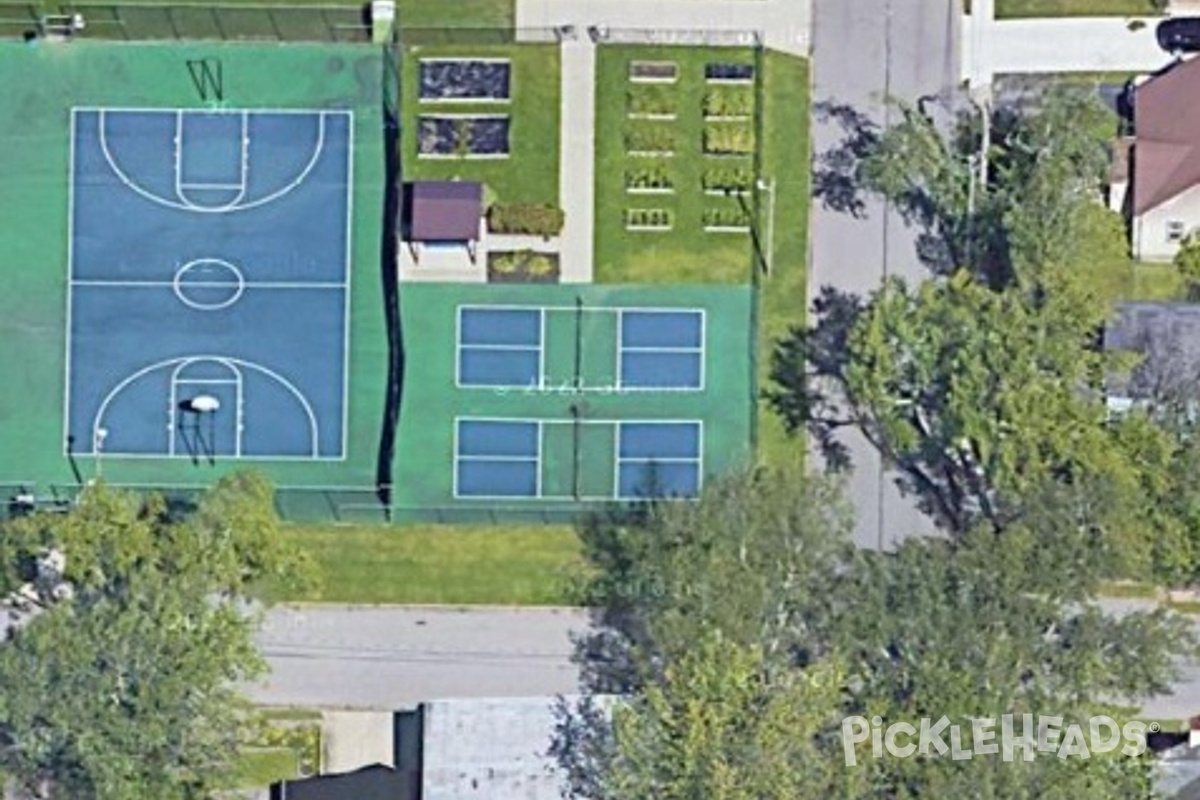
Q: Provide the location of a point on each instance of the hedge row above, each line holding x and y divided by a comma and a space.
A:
525, 218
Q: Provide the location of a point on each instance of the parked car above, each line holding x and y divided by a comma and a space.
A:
1179, 34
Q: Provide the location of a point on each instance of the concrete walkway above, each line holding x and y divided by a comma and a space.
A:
782, 24
577, 159
1082, 44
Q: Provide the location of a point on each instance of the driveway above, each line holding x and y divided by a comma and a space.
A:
863, 52
1090, 44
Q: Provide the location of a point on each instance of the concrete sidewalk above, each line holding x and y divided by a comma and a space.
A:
783, 24
577, 159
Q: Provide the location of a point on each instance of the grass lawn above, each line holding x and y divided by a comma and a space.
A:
1075, 8
786, 158
686, 253
530, 173
1131, 280
454, 565
456, 13
258, 768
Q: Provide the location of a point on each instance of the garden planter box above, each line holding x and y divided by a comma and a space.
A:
653, 72
727, 118
651, 153
524, 266
726, 228
649, 190
645, 115
649, 219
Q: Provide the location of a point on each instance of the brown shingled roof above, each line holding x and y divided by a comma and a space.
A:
1166, 158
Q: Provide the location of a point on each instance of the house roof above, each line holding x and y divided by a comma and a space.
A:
1167, 153
1167, 335
445, 211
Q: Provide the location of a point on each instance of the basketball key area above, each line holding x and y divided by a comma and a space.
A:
209, 280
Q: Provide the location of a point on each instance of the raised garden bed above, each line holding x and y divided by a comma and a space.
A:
522, 266
728, 138
726, 220
526, 219
653, 71
649, 138
727, 178
471, 80
648, 219
728, 102
651, 101
463, 136
724, 72
649, 179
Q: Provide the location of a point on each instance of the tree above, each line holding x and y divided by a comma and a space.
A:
1046, 165
757, 586
126, 688
699, 628
1187, 261
983, 387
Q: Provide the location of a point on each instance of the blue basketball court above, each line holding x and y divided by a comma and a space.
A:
209, 283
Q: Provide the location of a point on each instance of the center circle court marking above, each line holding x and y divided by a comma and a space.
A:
212, 276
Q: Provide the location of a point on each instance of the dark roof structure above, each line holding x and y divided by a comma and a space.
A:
377, 782
1167, 335
445, 211
1167, 153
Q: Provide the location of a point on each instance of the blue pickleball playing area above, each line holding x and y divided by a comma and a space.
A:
209, 280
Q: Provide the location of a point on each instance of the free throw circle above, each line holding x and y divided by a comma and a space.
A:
208, 284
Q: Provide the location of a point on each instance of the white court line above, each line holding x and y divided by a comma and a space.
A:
124, 284
263, 110
229, 186
614, 423
243, 163
133, 186
347, 272
66, 407
176, 382
232, 363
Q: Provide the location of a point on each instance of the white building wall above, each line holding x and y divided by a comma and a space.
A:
1151, 239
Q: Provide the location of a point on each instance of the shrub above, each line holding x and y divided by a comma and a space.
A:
654, 176
649, 137
525, 218
523, 265
648, 217
650, 98
728, 217
726, 139
729, 101
727, 178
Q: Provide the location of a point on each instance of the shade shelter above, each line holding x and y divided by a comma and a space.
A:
444, 213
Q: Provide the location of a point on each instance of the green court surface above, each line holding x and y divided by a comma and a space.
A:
578, 401
44, 82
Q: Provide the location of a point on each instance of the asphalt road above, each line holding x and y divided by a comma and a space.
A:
390, 658
863, 52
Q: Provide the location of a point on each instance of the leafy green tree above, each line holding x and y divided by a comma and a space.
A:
1187, 260
1045, 166
983, 388
124, 688
758, 579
